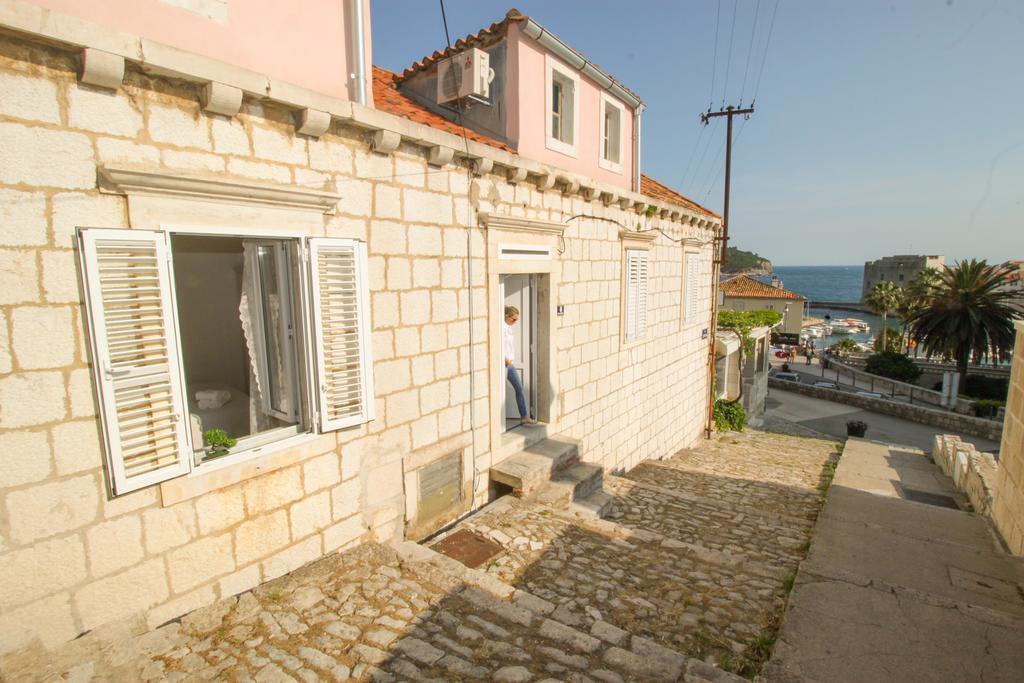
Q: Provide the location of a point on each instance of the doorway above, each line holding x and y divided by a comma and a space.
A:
520, 291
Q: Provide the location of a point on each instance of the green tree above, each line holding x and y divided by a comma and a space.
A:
966, 314
883, 299
915, 296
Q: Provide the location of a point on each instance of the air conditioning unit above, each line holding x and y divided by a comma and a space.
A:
467, 74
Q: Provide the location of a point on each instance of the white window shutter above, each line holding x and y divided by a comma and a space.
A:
636, 293
341, 332
692, 286
135, 356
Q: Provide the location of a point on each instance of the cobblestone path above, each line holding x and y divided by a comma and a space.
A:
688, 575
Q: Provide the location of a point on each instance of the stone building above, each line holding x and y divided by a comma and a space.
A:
744, 293
742, 374
899, 270
1008, 501
199, 233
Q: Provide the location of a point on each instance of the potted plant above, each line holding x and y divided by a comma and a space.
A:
856, 428
218, 442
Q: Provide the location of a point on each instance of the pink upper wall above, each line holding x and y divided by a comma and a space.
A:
528, 114
303, 42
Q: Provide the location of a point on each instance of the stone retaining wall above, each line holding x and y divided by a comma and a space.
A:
972, 472
954, 422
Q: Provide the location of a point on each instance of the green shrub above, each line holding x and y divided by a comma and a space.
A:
893, 340
980, 386
892, 365
987, 407
729, 416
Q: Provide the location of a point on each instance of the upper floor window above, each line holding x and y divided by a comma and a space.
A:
612, 117
562, 105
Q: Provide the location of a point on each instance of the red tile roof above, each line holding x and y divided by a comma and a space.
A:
486, 37
387, 97
652, 188
746, 286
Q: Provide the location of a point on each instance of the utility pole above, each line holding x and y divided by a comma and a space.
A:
706, 117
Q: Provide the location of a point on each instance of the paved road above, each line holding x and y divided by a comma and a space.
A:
830, 418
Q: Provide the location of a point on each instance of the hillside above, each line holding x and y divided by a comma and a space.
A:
746, 262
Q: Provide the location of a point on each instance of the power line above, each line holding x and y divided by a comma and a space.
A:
728, 61
764, 57
714, 60
700, 162
750, 50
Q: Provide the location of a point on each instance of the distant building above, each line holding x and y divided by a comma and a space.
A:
897, 269
749, 379
744, 293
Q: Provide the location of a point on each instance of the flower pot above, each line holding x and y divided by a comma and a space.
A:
856, 429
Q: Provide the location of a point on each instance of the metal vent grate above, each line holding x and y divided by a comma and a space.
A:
440, 485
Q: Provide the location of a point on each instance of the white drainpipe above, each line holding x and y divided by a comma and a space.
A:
358, 27
636, 146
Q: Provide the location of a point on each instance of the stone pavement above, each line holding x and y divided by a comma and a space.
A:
685, 581
894, 589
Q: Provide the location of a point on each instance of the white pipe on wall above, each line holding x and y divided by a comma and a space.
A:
358, 30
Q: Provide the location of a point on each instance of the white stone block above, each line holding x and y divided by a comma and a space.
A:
387, 238
260, 170
422, 370
199, 562
169, 527
425, 240
31, 325
445, 305
60, 277
399, 274
311, 514
121, 595
75, 209
427, 207
424, 431
387, 202
47, 158
292, 558
356, 197
426, 273
189, 602
77, 447
49, 620
345, 499
117, 152
103, 112
258, 537
219, 510
402, 407
373, 166
240, 581
31, 398
391, 376
385, 309
22, 216
415, 307
26, 457
114, 545
101, 69
276, 145
41, 569
177, 160
29, 97
273, 490
230, 137
50, 509
344, 534
18, 279
80, 392
179, 126
330, 155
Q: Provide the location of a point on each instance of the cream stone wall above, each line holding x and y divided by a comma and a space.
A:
1008, 500
73, 558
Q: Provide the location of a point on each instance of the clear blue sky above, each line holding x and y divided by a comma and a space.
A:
881, 127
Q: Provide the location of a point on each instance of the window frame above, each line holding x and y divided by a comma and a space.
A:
643, 290
691, 304
602, 160
306, 366
551, 67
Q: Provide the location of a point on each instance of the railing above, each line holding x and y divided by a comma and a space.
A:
883, 385
931, 365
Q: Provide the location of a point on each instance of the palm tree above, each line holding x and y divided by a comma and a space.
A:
916, 295
966, 314
884, 298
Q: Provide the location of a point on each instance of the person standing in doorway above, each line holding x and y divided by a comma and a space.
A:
511, 374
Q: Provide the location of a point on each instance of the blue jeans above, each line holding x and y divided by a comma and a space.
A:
513, 376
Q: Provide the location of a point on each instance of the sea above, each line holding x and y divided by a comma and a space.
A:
831, 283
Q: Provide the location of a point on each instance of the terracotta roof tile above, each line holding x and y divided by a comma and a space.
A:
746, 286
387, 98
652, 188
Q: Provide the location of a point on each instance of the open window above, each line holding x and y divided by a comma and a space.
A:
562, 99
199, 339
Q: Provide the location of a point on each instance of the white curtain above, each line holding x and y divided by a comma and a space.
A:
247, 311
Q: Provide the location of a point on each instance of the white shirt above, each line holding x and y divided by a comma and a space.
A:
508, 343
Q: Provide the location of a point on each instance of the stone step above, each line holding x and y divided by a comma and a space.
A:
536, 464
573, 484
594, 506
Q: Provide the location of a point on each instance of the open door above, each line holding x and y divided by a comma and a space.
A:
520, 291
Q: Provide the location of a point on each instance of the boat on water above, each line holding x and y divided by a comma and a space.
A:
842, 328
